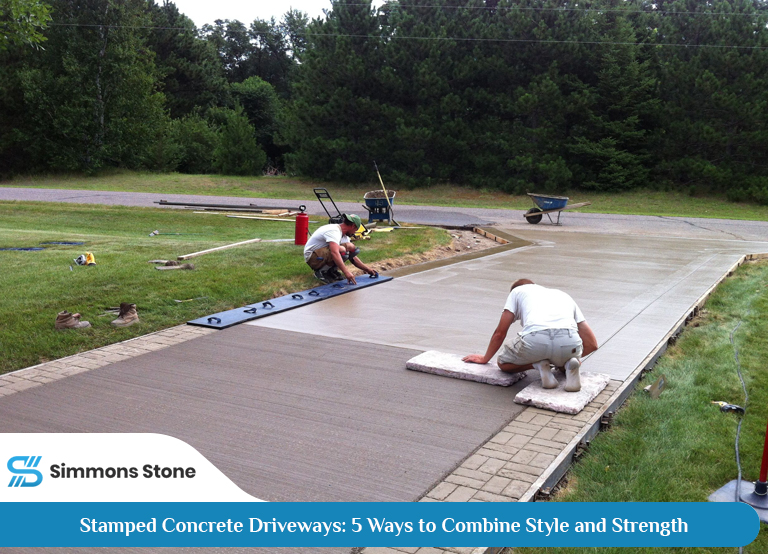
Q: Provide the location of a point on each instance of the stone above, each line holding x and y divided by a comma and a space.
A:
558, 400
450, 365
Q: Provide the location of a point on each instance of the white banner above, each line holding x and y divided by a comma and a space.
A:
107, 467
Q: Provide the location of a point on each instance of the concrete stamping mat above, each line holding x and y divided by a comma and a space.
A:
286, 416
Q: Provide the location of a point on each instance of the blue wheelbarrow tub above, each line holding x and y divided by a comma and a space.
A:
546, 202
372, 201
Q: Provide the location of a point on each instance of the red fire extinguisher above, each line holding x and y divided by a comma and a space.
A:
302, 229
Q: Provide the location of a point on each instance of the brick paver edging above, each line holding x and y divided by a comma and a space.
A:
47, 372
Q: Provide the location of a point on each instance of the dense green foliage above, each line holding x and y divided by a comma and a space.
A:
512, 95
22, 22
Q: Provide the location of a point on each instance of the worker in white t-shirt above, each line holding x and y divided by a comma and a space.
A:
554, 332
329, 247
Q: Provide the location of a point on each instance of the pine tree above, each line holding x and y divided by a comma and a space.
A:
611, 151
337, 122
191, 73
714, 95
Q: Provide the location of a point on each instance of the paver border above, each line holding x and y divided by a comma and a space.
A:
46, 372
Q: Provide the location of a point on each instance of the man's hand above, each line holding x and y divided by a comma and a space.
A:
350, 278
373, 273
475, 359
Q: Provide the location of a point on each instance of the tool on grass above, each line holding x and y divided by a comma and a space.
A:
156, 232
322, 194
725, 407
386, 195
657, 387
85, 259
190, 299
182, 266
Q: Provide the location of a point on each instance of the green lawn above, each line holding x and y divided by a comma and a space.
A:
37, 285
680, 447
641, 202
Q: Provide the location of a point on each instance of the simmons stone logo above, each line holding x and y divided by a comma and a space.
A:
24, 472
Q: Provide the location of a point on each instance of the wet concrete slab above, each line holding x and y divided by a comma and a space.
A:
286, 416
632, 289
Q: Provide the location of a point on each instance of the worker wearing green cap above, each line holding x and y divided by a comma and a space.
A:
329, 247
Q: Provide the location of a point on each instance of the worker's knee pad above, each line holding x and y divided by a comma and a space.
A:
354, 253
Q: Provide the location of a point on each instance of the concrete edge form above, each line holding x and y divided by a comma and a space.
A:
249, 312
505, 240
555, 472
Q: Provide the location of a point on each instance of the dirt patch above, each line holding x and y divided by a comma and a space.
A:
463, 241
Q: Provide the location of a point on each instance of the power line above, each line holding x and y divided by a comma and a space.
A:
458, 39
545, 9
538, 41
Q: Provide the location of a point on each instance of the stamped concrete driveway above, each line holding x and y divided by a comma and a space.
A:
316, 403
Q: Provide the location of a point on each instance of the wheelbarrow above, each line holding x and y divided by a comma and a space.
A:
379, 206
546, 205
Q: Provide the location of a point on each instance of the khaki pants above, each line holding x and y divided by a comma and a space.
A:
556, 345
322, 259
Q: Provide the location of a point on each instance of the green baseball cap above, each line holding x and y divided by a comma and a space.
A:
354, 219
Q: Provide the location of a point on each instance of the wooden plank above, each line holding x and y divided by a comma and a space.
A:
265, 218
491, 236
187, 256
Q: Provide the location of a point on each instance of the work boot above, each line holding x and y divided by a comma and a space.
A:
320, 275
66, 320
548, 380
127, 315
572, 380
334, 275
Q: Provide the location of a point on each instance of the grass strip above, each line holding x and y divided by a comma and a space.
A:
37, 285
680, 447
637, 202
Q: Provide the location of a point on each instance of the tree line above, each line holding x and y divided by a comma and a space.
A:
513, 95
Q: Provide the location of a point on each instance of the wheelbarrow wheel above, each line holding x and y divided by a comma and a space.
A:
534, 219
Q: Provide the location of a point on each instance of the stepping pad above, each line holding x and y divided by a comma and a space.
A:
222, 320
559, 400
450, 365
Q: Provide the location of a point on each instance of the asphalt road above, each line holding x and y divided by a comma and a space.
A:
434, 215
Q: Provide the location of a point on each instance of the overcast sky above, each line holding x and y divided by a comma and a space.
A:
207, 11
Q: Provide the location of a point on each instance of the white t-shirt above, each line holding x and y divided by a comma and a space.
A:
322, 236
538, 308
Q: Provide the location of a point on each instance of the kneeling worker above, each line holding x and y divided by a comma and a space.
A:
329, 247
554, 332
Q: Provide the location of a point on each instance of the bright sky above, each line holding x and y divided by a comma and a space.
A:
207, 11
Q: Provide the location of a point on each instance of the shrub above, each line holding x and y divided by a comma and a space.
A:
237, 152
197, 140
